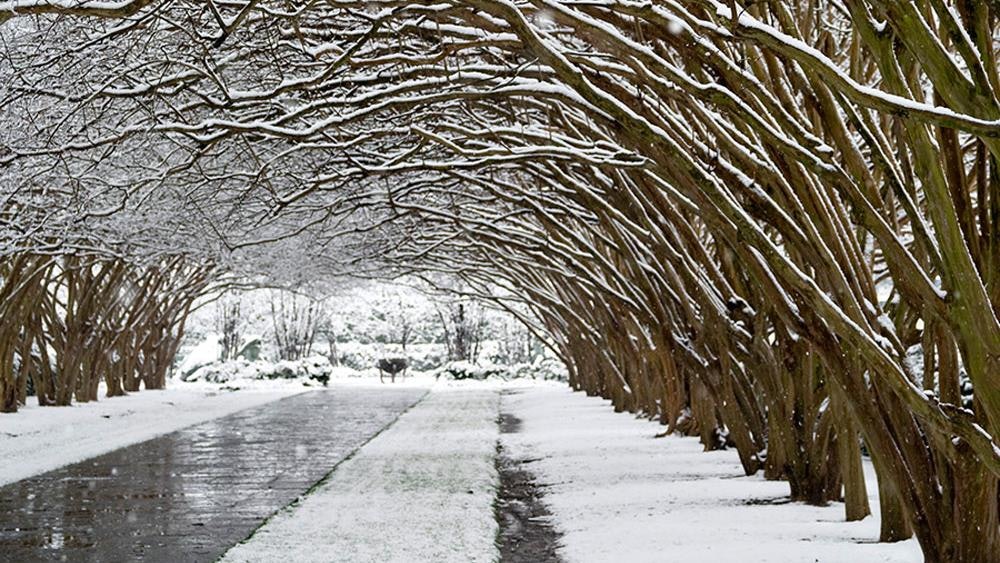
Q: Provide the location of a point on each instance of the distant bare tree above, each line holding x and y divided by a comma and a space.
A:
229, 324
295, 321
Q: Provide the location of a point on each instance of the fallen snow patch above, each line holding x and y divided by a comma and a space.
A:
619, 494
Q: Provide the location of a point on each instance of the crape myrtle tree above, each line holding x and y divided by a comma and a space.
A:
745, 218
105, 253
295, 320
80, 302
91, 287
73, 320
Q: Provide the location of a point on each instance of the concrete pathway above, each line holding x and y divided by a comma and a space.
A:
422, 491
192, 494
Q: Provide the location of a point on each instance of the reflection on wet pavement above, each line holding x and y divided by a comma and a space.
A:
191, 494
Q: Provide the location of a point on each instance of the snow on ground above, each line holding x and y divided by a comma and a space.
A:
619, 494
38, 439
422, 490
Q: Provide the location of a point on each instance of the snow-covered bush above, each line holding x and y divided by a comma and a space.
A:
200, 352
467, 370
356, 356
315, 368
542, 368
312, 369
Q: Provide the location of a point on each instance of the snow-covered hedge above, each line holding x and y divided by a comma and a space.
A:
316, 369
546, 369
361, 357
357, 360
469, 370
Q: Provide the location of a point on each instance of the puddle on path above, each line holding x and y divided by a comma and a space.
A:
525, 533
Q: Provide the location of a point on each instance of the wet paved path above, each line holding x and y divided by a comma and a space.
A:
191, 494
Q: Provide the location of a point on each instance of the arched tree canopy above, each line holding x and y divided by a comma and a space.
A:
775, 225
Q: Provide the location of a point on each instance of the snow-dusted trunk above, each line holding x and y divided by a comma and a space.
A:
75, 321
22, 282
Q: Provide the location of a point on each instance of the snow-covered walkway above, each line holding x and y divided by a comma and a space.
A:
619, 494
422, 490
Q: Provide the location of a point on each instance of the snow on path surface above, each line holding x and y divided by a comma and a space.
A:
619, 494
39, 439
422, 490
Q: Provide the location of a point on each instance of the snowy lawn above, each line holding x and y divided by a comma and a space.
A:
619, 494
38, 439
422, 490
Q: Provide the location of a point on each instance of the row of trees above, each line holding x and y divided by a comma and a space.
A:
375, 316
748, 219
71, 322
